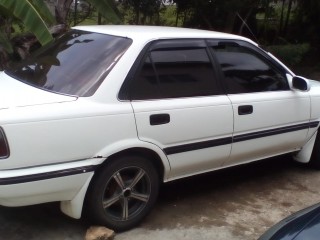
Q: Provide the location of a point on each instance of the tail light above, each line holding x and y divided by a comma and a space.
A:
4, 148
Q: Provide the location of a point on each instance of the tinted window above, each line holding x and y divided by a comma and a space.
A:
174, 73
74, 64
247, 71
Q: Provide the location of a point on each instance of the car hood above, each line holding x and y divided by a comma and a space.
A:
14, 93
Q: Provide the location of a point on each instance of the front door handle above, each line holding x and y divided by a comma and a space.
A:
245, 109
159, 119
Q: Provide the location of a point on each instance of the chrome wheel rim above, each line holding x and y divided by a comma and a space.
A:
126, 193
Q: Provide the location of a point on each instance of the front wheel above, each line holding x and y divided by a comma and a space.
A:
123, 193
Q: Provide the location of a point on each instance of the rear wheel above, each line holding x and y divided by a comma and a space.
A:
123, 193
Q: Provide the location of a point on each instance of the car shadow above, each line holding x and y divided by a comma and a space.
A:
44, 221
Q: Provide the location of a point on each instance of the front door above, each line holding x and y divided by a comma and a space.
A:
269, 117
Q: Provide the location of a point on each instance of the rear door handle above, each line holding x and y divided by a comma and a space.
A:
245, 109
159, 119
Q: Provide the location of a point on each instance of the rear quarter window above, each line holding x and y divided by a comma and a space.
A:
75, 64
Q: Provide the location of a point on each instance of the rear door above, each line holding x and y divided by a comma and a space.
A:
269, 117
180, 107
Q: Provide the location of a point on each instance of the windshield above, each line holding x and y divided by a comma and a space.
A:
74, 64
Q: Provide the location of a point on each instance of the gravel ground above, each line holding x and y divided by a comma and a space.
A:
236, 203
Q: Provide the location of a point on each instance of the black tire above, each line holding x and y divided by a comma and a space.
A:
315, 156
123, 193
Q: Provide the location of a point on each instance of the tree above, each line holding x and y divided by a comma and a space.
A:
107, 9
307, 21
220, 15
143, 9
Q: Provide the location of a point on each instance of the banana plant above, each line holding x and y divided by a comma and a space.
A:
34, 14
36, 18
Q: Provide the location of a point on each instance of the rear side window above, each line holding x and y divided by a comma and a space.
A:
75, 64
174, 73
247, 71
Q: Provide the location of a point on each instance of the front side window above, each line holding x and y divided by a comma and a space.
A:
75, 64
174, 73
246, 71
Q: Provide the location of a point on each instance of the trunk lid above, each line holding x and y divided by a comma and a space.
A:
14, 93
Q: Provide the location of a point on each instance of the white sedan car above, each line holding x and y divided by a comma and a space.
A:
103, 115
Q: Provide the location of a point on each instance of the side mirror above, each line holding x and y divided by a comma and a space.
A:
300, 83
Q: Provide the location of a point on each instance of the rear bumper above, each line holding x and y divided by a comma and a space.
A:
59, 182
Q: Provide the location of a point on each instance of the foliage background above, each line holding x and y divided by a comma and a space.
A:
288, 28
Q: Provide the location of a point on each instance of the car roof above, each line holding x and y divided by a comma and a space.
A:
147, 33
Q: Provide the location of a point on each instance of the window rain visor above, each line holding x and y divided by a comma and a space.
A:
74, 64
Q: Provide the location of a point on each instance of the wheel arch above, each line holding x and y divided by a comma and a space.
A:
147, 153
134, 146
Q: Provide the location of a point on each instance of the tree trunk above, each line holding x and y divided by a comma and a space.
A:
99, 19
281, 17
230, 22
266, 16
285, 29
61, 10
75, 13
138, 17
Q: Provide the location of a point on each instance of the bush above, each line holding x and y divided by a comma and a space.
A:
290, 54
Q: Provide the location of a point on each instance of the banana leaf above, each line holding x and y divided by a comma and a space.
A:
44, 11
27, 13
